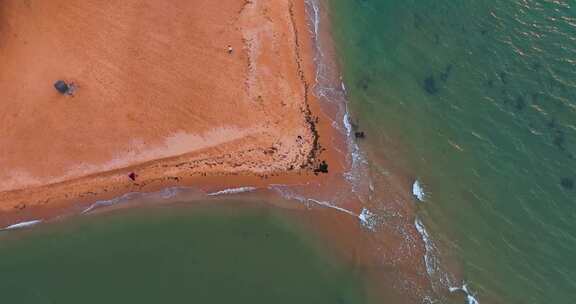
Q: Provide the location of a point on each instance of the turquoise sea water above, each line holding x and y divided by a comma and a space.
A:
212, 253
477, 99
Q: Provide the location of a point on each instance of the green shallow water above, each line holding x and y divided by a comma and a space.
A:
225, 254
478, 100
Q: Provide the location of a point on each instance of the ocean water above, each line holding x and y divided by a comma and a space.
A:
476, 99
224, 252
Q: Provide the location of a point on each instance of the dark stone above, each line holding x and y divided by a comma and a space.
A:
359, 134
61, 87
567, 183
322, 168
430, 85
132, 176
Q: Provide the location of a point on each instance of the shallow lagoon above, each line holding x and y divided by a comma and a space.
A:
221, 252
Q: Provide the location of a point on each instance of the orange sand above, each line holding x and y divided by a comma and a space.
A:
158, 94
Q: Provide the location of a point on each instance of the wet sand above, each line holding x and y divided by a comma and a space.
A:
158, 94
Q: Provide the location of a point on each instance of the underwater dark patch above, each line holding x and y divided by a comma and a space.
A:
551, 124
429, 85
446, 73
567, 183
559, 140
417, 21
364, 83
503, 77
519, 104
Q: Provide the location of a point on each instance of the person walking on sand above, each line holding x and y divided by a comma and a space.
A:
230, 50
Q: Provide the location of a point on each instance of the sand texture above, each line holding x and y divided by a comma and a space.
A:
158, 93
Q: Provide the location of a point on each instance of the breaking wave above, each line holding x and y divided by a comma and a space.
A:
21, 225
430, 258
470, 296
418, 191
233, 191
439, 278
106, 203
367, 219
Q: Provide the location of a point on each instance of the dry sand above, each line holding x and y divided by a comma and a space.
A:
158, 94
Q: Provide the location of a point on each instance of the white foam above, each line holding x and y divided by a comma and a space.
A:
347, 124
454, 289
418, 191
368, 219
111, 202
22, 225
429, 257
470, 296
170, 192
330, 205
471, 299
233, 191
316, 18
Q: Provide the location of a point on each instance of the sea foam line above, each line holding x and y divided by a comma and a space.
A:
327, 91
111, 202
21, 225
367, 218
429, 258
232, 191
470, 296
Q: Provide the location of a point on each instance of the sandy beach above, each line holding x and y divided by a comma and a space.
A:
203, 93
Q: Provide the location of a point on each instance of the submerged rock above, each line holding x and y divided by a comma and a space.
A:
567, 183
430, 85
